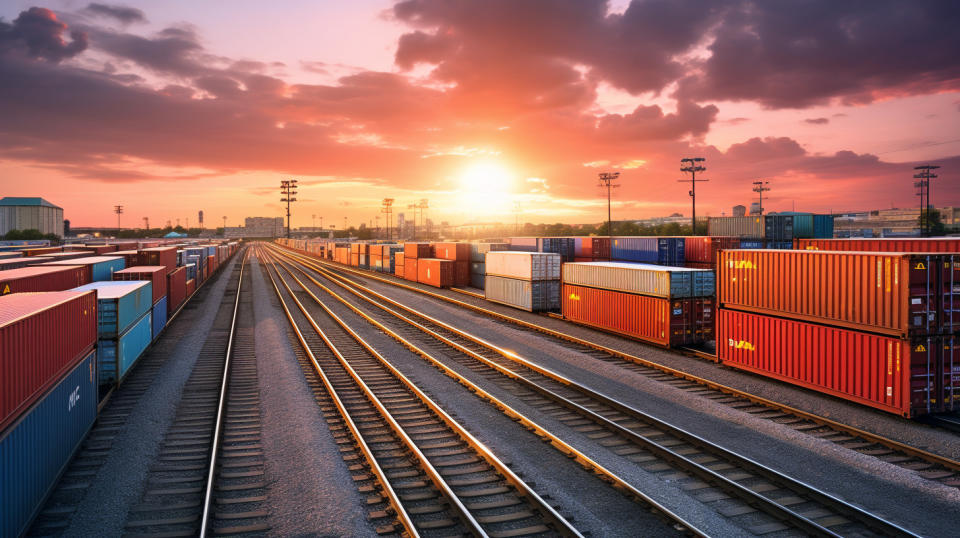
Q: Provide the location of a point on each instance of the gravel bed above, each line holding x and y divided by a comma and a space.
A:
900, 494
593, 505
310, 490
119, 483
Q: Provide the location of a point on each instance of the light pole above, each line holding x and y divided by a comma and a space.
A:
606, 180
760, 187
923, 186
118, 209
691, 165
387, 209
288, 188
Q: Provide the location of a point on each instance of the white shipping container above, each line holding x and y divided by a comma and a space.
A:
641, 278
524, 265
529, 295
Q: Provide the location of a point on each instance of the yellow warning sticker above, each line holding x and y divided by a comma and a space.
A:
574, 297
920, 265
920, 348
6, 289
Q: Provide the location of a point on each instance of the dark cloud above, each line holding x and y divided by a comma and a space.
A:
650, 123
817, 121
37, 33
174, 51
762, 149
124, 14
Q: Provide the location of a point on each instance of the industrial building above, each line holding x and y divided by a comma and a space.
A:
17, 213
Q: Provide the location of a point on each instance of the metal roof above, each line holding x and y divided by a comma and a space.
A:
18, 201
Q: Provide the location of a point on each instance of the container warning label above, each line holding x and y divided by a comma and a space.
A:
920, 265
920, 348
6, 289
574, 297
916, 300
740, 344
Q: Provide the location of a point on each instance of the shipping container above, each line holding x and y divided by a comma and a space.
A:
654, 280
600, 248
778, 228
158, 315
743, 227
410, 268
889, 293
35, 450
191, 287
40, 251
176, 289
417, 250
666, 322
478, 251
115, 356
909, 377
165, 256
523, 244
119, 304
659, 250
96, 249
452, 251
435, 272
524, 265
191, 269
703, 249
564, 246
130, 257
156, 274
10, 255
461, 273
42, 278
58, 256
19, 263
915, 244
529, 295
811, 225
478, 280
42, 336
99, 268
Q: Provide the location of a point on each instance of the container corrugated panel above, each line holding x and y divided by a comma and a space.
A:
101, 268
742, 227
881, 292
909, 377
435, 272
478, 251
918, 244
523, 244
158, 317
10, 255
655, 280
176, 289
410, 268
564, 246
417, 250
19, 262
98, 249
115, 356
191, 270
58, 256
529, 295
660, 250
461, 273
40, 251
666, 322
704, 248
811, 225
42, 278
191, 287
778, 228
132, 257
120, 304
478, 268
35, 451
452, 251
42, 335
524, 265
601, 248
157, 274
478, 280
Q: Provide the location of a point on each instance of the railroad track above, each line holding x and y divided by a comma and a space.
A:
60, 507
208, 475
435, 476
926, 464
758, 498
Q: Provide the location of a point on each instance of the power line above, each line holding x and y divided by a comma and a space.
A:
118, 209
288, 190
606, 180
692, 167
923, 187
760, 187
387, 209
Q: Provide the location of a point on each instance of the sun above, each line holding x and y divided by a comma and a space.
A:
486, 188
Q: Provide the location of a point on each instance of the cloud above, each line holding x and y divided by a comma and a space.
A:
37, 33
817, 121
124, 14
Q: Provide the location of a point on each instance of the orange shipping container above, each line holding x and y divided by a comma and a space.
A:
417, 250
435, 272
461, 272
410, 269
914, 244
453, 251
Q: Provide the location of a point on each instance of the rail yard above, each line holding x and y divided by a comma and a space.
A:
288, 375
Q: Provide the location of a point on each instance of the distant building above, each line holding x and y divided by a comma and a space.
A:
739, 211
257, 227
894, 222
755, 208
30, 214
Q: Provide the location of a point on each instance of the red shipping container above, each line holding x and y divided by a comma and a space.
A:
40, 251
131, 258
410, 269
43, 278
453, 251
156, 274
889, 293
42, 337
176, 288
17, 263
96, 249
880, 244
698, 248
600, 248
461, 273
417, 250
435, 272
191, 287
165, 256
909, 377
653, 319
212, 263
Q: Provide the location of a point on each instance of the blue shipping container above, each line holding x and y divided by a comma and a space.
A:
35, 450
191, 271
159, 316
478, 280
778, 227
117, 355
120, 304
566, 247
656, 250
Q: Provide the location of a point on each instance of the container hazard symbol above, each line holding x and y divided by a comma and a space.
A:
920, 265
920, 348
6, 289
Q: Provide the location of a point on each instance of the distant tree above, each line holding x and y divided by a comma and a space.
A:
936, 224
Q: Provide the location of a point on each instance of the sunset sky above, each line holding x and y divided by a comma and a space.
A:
177, 106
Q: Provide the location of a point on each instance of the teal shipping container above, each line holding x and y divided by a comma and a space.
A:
115, 356
159, 316
811, 226
35, 450
120, 304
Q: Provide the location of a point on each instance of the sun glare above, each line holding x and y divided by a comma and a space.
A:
486, 186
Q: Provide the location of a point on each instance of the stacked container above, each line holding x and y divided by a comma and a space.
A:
701, 251
915, 244
526, 280
777, 228
657, 250
669, 306
435, 272
125, 326
176, 289
398, 264
459, 254
42, 278
412, 252
98, 268
876, 328
478, 266
157, 276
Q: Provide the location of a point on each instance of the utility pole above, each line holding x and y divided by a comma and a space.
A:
146, 223
607, 180
224, 224
424, 205
691, 165
414, 208
387, 209
200, 216
923, 187
760, 187
118, 209
288, 187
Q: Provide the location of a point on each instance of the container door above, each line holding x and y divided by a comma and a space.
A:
923, 282
949, 308
923, 382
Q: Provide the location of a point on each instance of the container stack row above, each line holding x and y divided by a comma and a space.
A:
526, 280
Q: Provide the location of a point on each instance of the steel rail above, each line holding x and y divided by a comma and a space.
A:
392, 498
759, 501
713, 385
559, 522
221, 404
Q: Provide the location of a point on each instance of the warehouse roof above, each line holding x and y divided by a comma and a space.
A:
14, 200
